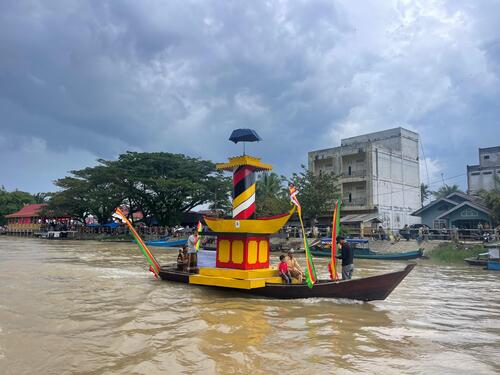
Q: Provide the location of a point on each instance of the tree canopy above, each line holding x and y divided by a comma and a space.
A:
446, 190
161, 185
271, 195
13, 201
317, 192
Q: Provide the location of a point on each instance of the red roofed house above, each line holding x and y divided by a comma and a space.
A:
26, 220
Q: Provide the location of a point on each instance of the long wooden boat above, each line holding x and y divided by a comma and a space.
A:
363, 289
477, 261
363, 254
163, 243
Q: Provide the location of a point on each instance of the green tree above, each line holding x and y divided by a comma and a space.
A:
271, 195
491, 199
317, 192
165, 185
220, 198
11, 202
90, 191
425, 193
446, 190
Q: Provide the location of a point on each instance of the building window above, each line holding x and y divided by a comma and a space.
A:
486, 157
468, 212
487, 172
439, 224
475, 173
349, 170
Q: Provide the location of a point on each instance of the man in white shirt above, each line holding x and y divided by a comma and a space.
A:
191, 245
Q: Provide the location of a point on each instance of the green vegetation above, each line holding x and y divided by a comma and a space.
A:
272, 195
317, 192
13, 201
491, 199
446, 190
161, 185
453, 253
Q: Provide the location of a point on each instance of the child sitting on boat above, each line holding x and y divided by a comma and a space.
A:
182, 259
284, 272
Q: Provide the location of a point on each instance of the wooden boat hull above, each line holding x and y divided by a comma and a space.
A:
474, 261
320, 252
364, 289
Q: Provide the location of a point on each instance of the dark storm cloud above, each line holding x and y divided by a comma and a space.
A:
82, 80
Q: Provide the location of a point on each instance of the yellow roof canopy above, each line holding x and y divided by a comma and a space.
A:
238, 161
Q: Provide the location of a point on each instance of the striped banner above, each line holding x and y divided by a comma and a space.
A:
335, 230
311, 276
244, 192
153, 264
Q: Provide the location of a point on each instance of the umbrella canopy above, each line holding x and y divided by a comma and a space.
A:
244, 135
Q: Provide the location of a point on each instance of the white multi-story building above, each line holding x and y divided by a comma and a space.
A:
482, 176
379, 174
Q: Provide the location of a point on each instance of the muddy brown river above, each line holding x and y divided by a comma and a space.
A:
69, 307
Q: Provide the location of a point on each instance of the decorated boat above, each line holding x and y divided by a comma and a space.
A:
241, 260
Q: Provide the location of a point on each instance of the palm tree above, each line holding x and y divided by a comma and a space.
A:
446, 190
269, 184
425, 193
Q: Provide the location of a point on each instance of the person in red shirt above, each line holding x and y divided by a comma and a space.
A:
284, 272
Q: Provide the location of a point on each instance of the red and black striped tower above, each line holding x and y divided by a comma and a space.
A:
244, 192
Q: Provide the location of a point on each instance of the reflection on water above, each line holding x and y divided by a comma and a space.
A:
92, 308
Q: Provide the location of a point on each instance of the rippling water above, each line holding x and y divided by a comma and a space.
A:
70, 307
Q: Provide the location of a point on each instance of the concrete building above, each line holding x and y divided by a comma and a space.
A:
379, 175
482, 176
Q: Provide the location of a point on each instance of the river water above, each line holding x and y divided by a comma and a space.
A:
69, 307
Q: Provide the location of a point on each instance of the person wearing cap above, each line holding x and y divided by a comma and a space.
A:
294, 267
347, 255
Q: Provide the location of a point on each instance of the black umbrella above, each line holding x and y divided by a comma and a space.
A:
244, 135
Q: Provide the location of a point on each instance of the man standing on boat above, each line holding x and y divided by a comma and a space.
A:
347, 258
191, 244
294, 267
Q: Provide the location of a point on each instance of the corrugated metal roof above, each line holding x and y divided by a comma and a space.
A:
30, 210
360, 218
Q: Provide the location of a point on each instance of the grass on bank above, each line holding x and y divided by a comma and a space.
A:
452, 252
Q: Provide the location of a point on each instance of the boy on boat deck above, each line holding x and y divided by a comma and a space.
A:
283, 270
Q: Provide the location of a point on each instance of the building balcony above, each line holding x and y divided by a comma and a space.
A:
354, 202
354, 174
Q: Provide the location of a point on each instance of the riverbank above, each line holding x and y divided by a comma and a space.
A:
452, 253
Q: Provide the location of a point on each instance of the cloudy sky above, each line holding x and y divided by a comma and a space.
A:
81, 80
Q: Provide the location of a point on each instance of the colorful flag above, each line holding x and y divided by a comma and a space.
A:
153, 264
293, 198
311, 276
199, 228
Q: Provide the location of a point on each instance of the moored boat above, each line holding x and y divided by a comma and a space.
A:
163, 243
479, 260
493, 265
363, 254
